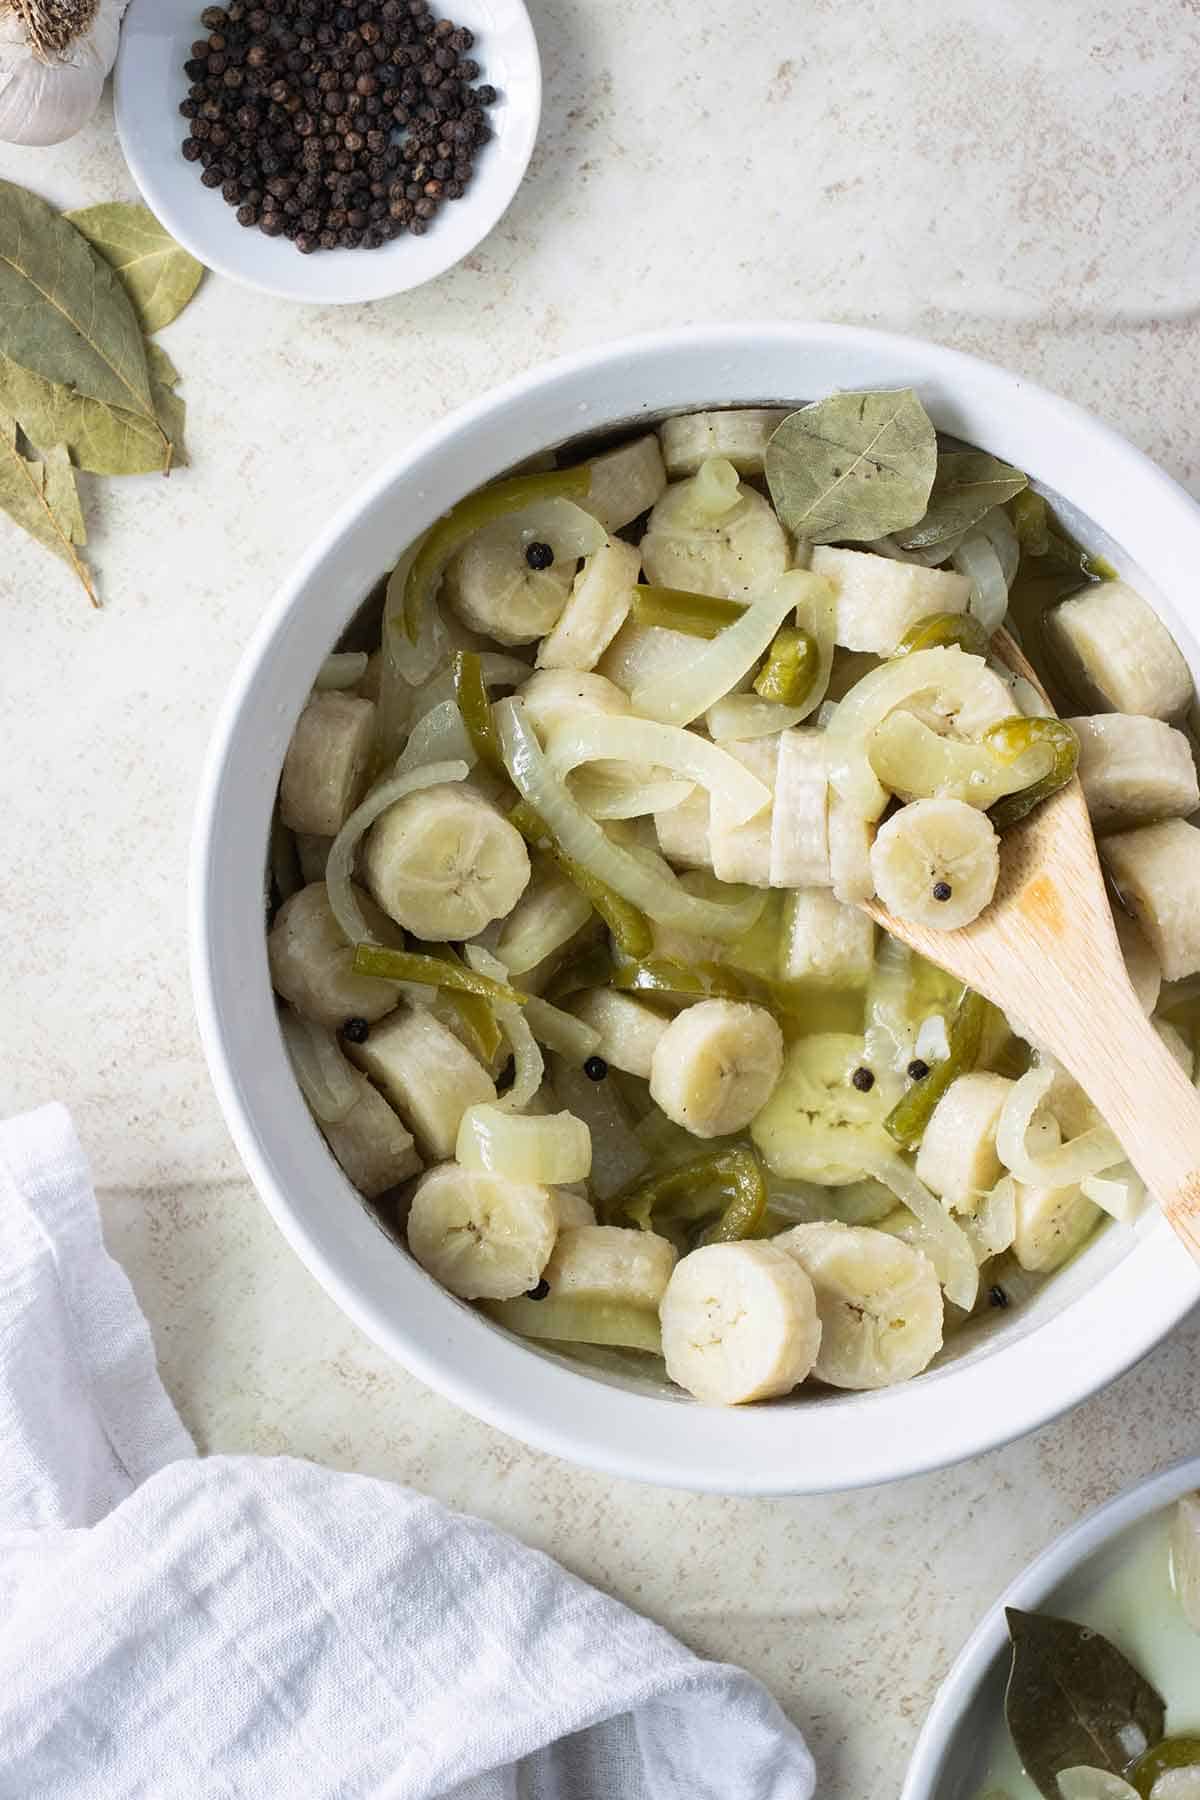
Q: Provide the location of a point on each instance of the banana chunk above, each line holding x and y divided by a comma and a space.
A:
1156, 870
1118, 654
936, 862
879, 599
879, 1302
427, 1074
716, 1065
371, 1144
312, 964
826, 942
1134, 770
957, 1158
851, 836
481, 1237
800, 815
713, 535
739, 1323
547, 916
553, 698
740, 435
494, 590
684, 834
572, 1205
645, 653
596, 609
742, 852
1052, 1223
444, 863
607, 1262
629, 1030
819, 1125
626, 482
1141, 964
325, 769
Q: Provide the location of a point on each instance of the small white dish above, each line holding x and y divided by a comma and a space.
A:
946, 1764
150, 83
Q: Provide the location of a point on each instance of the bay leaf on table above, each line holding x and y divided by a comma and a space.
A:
1074, 1700
104, 440
160, 276
63, 311
967, 485
41, 498
853, 467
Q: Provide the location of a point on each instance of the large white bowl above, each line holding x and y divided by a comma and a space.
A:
1087, 1326
149, 83
946, 1762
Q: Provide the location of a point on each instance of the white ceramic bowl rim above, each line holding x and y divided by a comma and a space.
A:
1031, 1589
834, 1443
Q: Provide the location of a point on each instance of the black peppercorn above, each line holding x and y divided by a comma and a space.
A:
595, 1068
247, 214
356, 1030
942, 890
211, 178
540, 1291
997, 1296
918, 1069
539, 556
191, 149
863, 1080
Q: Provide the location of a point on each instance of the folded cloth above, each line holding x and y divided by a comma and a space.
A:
177, 1627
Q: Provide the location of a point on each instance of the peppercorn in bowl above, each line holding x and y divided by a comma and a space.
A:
328, 152
589, 1019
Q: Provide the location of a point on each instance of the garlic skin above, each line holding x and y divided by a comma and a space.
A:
45, 101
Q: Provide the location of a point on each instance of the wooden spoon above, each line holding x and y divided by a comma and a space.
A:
1046, 952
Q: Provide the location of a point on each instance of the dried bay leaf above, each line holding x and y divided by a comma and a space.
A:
1073, 1700
104, 440
853, 467
41, 498
64, 313
967, 485
160, 276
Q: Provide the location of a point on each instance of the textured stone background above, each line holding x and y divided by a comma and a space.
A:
1018, 181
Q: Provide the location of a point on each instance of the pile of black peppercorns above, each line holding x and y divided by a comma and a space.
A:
336, 126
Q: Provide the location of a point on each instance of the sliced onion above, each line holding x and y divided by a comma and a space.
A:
603, 737
530, 1067
569, 529
439, 736
1028, 701
610, 795
655, 891
945, 1243
993, 1225
933, 1040
550, 1149
1001, 534
740, 716
550, 912
879, 692
322, 1073
342, 851
408, 662
1064, 1166
720, 664
976, 559
561, 1031
497, 669
342, 670
1120, 1190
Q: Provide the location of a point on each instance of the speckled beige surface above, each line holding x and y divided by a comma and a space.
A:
1021, 181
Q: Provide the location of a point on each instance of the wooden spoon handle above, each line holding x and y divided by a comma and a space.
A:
1131, 1076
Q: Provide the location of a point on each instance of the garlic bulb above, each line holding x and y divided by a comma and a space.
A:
54, 57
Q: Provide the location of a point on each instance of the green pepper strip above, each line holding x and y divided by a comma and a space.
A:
1031, 521
471, 696
1010, 739
700, 615
431, 971
474, 1012
1168, 1753
736, 1176
589, 969
666, 975
487, 506
941, 629
908, 1118
791, 667
580, 1319
630, 928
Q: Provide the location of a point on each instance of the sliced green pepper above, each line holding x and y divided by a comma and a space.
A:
474, 1012
1170, 1753
908, 1118
431, 971
700, 615
791, 667
630, 928
471, 697
1010, 739
1031, 521
734, 1176
941, 629
589, 969
452, 530
666, 975
576, 1319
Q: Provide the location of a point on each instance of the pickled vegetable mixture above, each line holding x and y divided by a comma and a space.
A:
567, 866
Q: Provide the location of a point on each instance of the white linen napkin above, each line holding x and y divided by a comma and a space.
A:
178, 1628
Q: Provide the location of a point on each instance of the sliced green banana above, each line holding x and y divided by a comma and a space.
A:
1156, 870
819, 1125
609, 1262
741, 850
443, 863
879, 599
629, 1031
1052, 1224
957, 1159
371, 1144
851, 837
739, 435
312, 965
1117, 653
427, 1074
716, 1065
548, 915
596, 608
826, 942
641, 654
879, 1301
327, 762
936, 862
626, 482
1134, 770
495, 588
800, 816
684, 832
739, 1322
481, 1237
554, 698
712, 535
